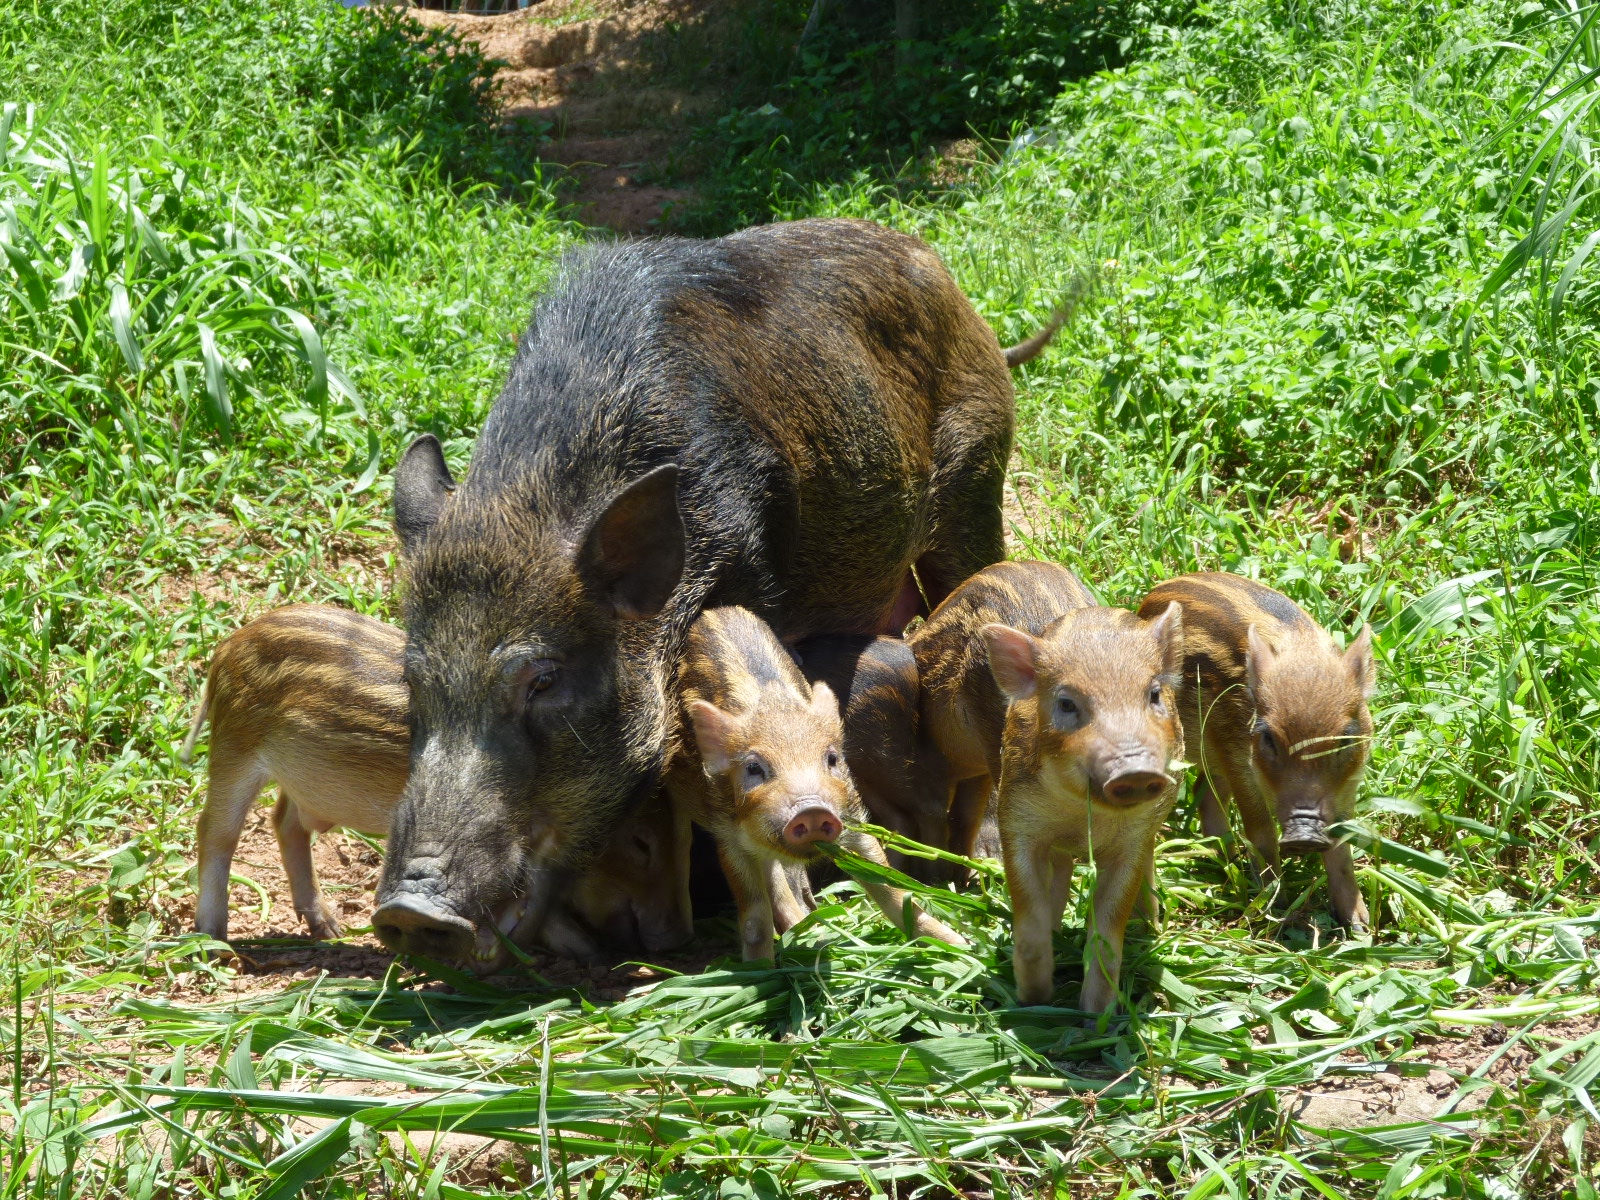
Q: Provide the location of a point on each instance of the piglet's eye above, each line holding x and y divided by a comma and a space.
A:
1269, 744
755, 771
1066, 706
832, 759
1155, 695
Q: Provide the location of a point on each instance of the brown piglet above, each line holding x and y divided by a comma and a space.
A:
313, 698
1072, 708
761, 767
1278, 715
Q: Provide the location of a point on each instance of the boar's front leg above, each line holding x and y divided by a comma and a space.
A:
1148, 905
1120, 875
892, 901
968, 493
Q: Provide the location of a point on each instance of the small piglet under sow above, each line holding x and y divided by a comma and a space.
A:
312, 698
761, 768
1074, 708
1279, 716
899, 773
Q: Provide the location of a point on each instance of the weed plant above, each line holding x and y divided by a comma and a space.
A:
1342, 339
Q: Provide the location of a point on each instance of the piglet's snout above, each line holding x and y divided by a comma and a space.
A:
1304, 834
1129, 779
1135, 787
813, 822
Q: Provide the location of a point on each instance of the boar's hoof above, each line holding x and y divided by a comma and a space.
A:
1303, 836
1135, 787
812, 825
410, 925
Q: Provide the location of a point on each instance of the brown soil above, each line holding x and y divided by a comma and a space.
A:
1387, 1097
582, 69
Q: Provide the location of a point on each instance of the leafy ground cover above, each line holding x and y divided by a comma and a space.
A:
1343, 339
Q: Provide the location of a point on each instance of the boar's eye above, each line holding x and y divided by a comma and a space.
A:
542, 678
1155, 697
832, 759
1269, 744
641, 846
755, 771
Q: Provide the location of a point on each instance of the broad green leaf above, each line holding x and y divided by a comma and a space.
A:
218, 405
122, 329
310, 343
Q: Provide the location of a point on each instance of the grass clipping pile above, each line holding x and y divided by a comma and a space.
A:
864, 1063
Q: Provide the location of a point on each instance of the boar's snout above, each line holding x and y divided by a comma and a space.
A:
1135, 787
1304, 833
815, 822
665, 928
414, 924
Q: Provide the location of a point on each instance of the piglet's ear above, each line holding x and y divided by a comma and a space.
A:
632, 556
1363, 667
1258, 659
1167, 629
1012, 659
823, 702
713, 733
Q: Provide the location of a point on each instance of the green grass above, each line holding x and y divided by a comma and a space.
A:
1343, 339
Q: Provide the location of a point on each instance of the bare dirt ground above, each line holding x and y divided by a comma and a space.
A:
1388, 1097
584, 70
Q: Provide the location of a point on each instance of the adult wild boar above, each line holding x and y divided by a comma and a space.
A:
789, 419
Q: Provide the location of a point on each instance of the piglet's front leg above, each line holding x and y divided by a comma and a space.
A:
1349, 906
1120, 877
750, 879
1030, 878
792, 901
891, 901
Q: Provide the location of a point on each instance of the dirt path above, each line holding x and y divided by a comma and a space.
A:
590, 72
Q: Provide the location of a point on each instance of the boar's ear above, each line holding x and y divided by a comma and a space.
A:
632, 556
1011, 659
1358, 657
1258, 659
422, 484
823, 702
1168, 632
713, 733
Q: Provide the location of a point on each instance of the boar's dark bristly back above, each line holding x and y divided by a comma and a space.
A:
788, 419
